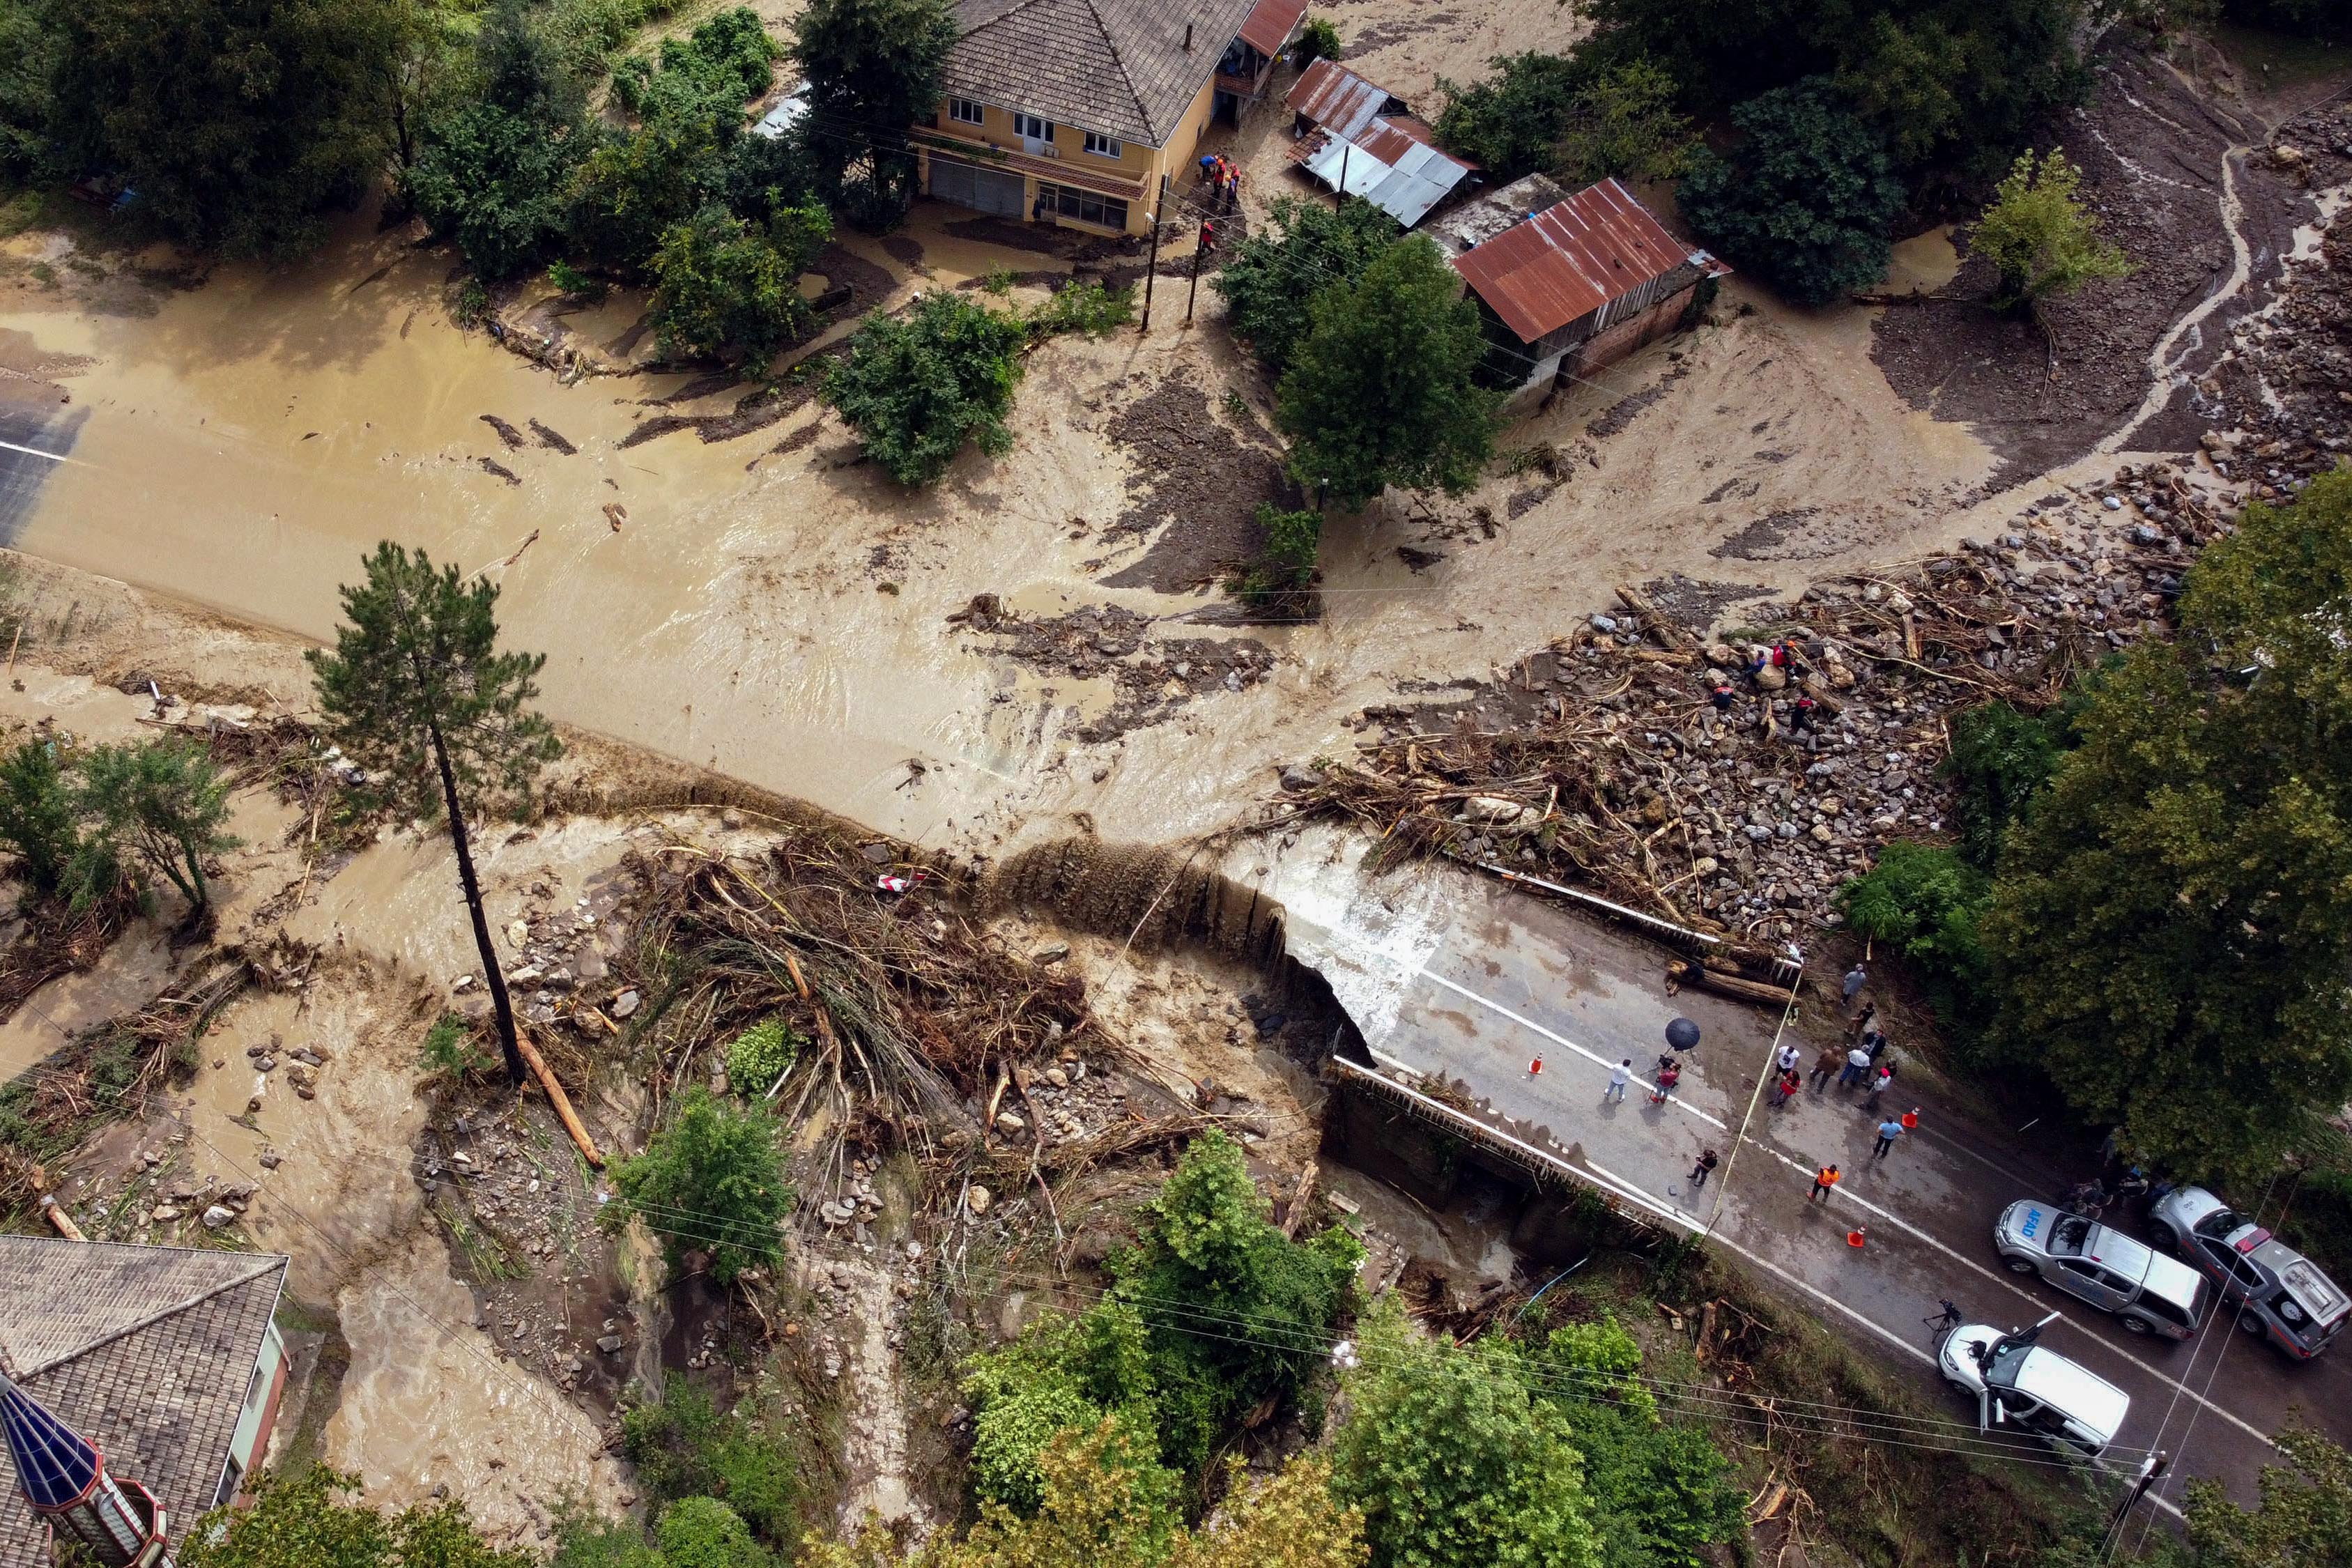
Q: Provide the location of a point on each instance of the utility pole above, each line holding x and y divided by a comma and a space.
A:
2149, 1469
1192, 291
1739, 1136
1151, 271
1340, 192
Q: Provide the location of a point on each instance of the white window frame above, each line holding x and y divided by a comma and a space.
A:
1103, 146
1031, 127
956, 115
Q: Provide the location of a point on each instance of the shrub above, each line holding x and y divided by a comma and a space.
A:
711, 1181
1924, 902
451, 1052
574, 284
671, 1441
1271, 278
1509, 122
37, 817
761, 1054
916, 390
703, 1532
1805, 200
1084, 306
1286, 562
1318, 40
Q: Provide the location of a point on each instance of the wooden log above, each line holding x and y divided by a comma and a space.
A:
558, 1098
62, 1220
1689, 973
1669, 635
1298, 1200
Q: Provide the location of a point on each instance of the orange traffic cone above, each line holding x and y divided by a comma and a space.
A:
1853, 1237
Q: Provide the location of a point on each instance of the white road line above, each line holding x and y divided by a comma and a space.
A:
1842, 1195
36, 452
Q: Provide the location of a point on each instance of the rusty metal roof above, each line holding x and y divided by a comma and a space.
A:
1269, 26
1571, 258
1339, 101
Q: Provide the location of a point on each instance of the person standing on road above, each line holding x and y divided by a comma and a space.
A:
1619, 1077
1857, 1062
1873, 1040
1826, 1065
1856, 979
1669, 1073
1700, 1171
1888, 1131
1822, 1181
1788, 1059
1878, 1082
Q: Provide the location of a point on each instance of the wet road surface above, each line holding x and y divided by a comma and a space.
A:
1460, 978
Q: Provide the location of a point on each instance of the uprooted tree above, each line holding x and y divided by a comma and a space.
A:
417, 695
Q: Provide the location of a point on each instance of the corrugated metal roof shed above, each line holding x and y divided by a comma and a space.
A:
1269, 25
1339, 100
1573, 258
1394, 163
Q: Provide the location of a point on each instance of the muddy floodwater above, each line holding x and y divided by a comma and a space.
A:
769, 606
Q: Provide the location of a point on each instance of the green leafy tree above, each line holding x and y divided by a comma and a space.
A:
38, 819
2305, 1520
300, 1519
28, 40
2172, 926
2000, 760
1062, 1374
494, 162
712, 1181
723, 288
240, 123
1511, 122
161, 805
1381, 392
1452, 1463
917, 388
1624, 125
637, 184
417, 694
703, 1532
1806, 199
1270, 280
874, 68
2038, 236
1923, 901
1318, 40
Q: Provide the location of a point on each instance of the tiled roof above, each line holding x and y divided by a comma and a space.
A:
1118, 67
1573, 257
147, 1351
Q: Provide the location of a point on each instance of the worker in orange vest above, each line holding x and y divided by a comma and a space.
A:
1823, 1182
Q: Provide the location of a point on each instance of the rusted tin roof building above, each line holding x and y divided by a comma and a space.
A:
1571, 283
1358, 138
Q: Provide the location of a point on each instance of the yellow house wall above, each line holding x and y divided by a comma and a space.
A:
1137, 162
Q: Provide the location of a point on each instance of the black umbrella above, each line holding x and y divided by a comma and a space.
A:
1683, 1035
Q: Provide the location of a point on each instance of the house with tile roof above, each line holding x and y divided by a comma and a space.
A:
164, 1358
1569, 284
1079, 112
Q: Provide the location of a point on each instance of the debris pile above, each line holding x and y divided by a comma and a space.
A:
1150, 680
1733, 783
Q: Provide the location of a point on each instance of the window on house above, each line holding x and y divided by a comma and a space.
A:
1102, 146
966, 111
1103, 212
1035, 127
231, 1474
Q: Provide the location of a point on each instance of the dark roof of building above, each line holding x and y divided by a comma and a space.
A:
1339, 101
147, 1351
1118, 67
1271, 23
1571, 258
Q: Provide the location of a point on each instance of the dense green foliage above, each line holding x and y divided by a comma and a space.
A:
2038, 237
703, 1532
760, 1054
162, 807
1318, 40
1805, 199
730, 56
300, 1519
38, 819
1949, 85
27, 67
2172, 926
1579, 117
240, 123
1285, 562
1086, 306
723, 288
1215, 1311
917, 388
2304, 1519
1384, 391
495, 161
1926, 902
449, 1052
710, 1181
1270, 280
1454, 1465
684, 1448
874, 68
2000, 760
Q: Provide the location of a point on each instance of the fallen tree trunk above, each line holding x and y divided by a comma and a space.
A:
558, 1098
1688, 973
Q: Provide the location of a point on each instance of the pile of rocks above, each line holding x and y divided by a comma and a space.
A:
557, 966
1072, 1102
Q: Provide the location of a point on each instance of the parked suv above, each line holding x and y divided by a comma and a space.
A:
2279, 1293
2016, 1383
2151, 1293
